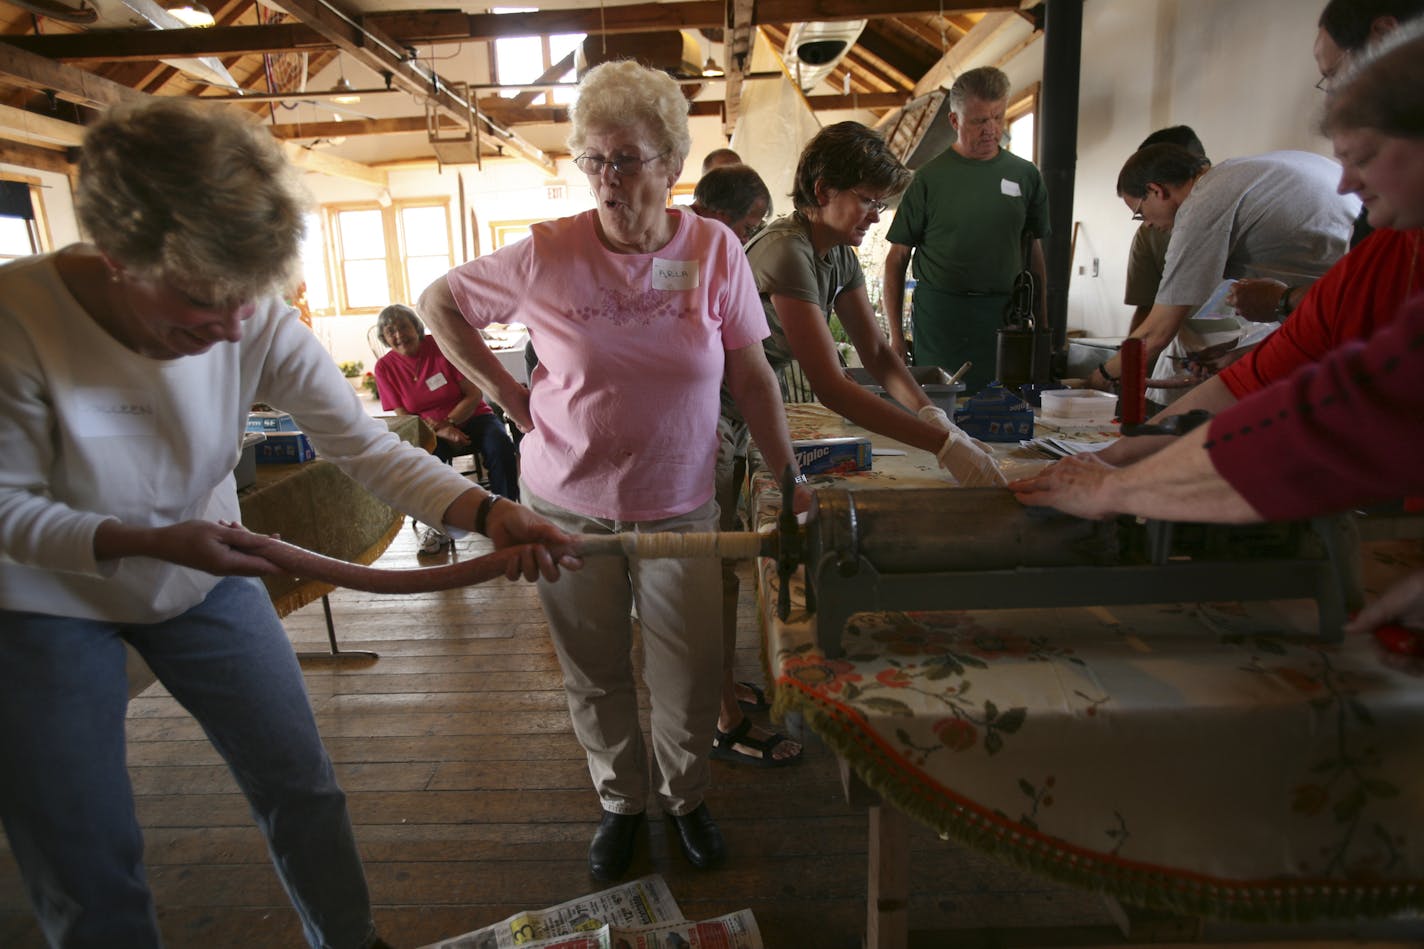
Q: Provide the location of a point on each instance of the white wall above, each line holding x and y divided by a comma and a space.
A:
1239, 72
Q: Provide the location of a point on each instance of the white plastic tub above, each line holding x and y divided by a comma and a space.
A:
1086, 405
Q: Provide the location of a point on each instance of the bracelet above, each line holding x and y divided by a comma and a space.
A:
1283, 305
482, 514
1103, 368
800, 479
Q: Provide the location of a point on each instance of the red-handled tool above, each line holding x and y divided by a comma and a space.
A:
1400, 640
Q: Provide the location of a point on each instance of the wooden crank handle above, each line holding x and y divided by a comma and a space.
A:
731, 545
308, 565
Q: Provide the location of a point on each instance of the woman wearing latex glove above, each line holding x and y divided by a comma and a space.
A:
968, 459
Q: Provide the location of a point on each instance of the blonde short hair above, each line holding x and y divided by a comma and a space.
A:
624, 93
174, 190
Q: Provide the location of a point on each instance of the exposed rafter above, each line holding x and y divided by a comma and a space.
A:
87, 89
449, 27
371, 46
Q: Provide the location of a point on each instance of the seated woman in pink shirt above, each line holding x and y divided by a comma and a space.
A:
415, 378
637, 310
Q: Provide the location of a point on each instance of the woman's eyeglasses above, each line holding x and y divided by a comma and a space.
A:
871, 204
623, 167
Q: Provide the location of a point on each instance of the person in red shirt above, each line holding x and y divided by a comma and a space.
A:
415, 378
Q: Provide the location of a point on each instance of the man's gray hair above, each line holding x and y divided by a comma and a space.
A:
986, 84
624, 93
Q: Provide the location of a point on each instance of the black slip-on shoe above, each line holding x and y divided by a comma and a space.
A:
701, 841
613, 844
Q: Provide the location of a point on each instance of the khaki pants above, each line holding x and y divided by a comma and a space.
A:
733, 441
679, 608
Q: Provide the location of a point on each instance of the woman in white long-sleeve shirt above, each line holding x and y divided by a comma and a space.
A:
127, 368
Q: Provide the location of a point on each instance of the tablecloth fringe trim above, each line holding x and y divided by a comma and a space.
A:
311, 591
1146, 885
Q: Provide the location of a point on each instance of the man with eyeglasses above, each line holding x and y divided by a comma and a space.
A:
1149, 245
1275, 215
966, 219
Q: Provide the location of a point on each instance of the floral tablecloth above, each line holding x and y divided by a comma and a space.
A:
1203, 758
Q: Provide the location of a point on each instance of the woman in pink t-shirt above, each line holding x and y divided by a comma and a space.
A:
415, 378
637, 310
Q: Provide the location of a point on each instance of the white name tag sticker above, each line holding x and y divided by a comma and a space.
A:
436, 381
675, 274
108, 412
1010, 188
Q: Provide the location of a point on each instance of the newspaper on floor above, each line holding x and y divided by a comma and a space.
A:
733, 931
643, 902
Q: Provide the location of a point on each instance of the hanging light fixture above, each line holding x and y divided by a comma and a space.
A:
192, 13
347, 94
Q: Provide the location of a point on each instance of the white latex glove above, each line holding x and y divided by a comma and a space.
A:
966, 458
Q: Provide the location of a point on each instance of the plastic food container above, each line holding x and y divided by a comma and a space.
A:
1086, 405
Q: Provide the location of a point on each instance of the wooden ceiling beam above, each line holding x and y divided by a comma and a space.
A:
953, 62
424, 28
898, 52
40, 159
96, 92
739, 35
380, 52
148, 45
504, 112
39, 129
796, 11
66, 82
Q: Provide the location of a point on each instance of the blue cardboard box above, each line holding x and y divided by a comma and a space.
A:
995, 414
271, 422
284, 448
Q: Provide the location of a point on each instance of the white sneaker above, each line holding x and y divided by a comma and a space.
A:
432, 540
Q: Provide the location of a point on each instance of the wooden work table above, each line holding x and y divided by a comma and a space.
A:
1207, 759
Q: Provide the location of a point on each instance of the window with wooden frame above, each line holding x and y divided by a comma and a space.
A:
527, 60
682, 194
507, 232
24, 230
1022, 119
385, 254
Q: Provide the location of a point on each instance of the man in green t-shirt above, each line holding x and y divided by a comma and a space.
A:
966, 218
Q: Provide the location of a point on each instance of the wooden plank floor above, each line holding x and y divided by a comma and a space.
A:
471, 801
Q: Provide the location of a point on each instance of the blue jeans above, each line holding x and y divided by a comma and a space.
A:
487, 436
65, 797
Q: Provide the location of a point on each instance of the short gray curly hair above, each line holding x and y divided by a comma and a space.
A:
624, 93
169, 189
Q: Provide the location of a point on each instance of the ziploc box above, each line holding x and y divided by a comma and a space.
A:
832, 455
996, 415
284, 448
271, 422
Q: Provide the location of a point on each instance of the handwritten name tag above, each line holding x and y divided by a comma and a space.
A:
435, 382
1010, 188
106, 412
674, 274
